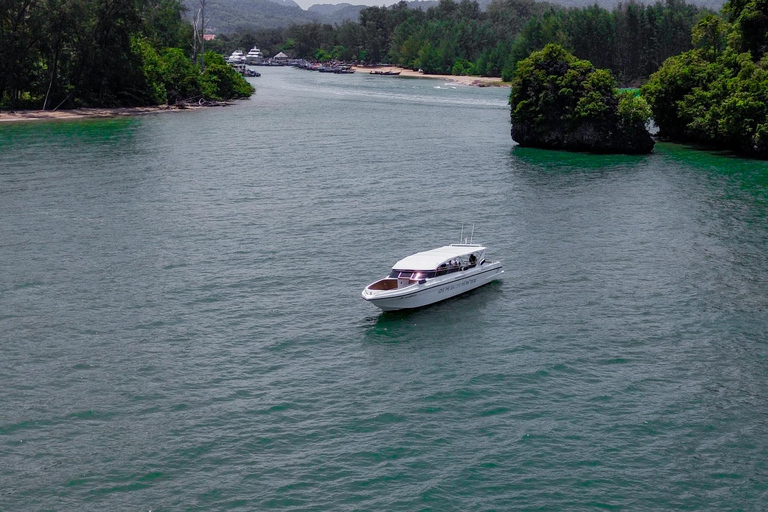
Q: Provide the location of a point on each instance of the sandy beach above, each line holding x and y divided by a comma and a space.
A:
480, 81
86, 113
91, 113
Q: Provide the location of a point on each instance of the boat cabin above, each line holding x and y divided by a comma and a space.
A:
421, 266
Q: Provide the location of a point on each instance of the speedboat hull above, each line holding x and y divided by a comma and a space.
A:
430, 291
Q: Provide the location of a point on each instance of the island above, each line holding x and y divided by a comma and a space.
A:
561, 102
716, 95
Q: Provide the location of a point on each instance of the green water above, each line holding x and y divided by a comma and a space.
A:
181, 323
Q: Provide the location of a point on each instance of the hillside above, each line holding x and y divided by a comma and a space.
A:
224, 16
337, 13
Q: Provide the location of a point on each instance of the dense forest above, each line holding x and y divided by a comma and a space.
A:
632, 40
71, 53
227, 16
559, 101
717, 93
708, 72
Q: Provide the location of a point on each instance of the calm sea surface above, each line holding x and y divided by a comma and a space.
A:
181, 324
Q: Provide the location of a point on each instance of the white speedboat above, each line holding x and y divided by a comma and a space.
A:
254, 56
431, 276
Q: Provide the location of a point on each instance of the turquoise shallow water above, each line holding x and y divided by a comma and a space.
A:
181, 323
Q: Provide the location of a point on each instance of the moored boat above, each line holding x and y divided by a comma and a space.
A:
237, 57
254, 56
431, 276
239, 67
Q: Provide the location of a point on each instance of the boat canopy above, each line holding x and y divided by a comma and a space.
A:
430, 260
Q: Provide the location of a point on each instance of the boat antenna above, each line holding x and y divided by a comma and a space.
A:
461, 237
472, 236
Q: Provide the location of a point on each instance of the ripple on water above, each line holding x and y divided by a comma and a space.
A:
182, 324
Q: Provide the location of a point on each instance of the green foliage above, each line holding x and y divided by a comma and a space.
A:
598, 92
220, 81
538, 32
558, 100
553, 86
668, 87
752, 24
180, 76
711, 34
338, 52
288, 46
718, 93
631, 41
322, 56
151, 68
162, 25
633, 108
69, 53
463, 67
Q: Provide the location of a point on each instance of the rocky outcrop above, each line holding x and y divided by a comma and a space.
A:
560, 102
594, 136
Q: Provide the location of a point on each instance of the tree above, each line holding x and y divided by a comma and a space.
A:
717, 94
559, 101
70, 53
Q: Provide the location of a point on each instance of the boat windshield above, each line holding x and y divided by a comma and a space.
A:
413, 275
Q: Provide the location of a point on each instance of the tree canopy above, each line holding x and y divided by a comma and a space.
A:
559, 101
458, 37
70, 53
717, 93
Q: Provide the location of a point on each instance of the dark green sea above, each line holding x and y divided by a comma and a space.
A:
181, 325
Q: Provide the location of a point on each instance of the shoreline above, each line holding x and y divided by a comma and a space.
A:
476, 81
11, 116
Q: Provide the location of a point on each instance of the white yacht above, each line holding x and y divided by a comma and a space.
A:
237, 57
431, 276
254, 56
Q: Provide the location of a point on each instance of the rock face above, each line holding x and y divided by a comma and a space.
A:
598, 136
560, 102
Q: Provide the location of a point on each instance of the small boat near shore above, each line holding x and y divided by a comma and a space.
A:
384, 73
432, 276
239, 67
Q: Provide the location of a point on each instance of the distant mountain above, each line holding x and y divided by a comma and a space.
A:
328, 9
426, 4
337, 13
223, 16
286, 3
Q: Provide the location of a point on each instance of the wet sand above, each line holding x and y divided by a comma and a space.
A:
480, 81
91, 113
86, 113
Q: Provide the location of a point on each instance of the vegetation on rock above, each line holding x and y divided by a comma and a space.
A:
561, 102
717, 93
